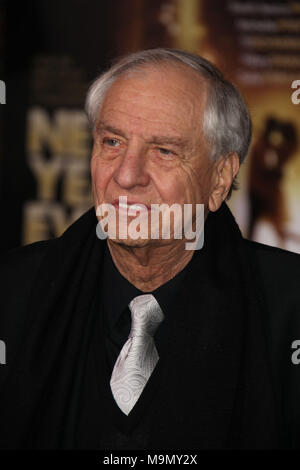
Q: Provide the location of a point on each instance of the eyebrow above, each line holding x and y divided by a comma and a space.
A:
159, 139
102, 126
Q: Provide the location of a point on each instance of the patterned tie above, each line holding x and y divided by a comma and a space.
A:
138, 356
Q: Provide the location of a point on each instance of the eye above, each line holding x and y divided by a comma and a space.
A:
111, 142
165, 152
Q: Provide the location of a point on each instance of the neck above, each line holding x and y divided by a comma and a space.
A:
149, 267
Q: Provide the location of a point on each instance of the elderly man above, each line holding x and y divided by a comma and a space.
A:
136, 342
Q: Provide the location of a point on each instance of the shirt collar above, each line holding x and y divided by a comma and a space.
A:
117, 291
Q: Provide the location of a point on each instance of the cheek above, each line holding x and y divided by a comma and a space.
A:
172, 186
101, 174
197, 183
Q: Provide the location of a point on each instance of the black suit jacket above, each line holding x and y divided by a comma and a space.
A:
277, 274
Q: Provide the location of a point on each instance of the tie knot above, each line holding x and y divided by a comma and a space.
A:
146, 315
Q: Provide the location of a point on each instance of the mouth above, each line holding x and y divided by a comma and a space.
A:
130, 205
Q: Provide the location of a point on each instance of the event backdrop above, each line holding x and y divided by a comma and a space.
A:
51, 50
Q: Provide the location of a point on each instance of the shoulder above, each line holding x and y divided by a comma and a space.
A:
275, 269
273, 261
26, 259
277, 276
18, 270
271, 257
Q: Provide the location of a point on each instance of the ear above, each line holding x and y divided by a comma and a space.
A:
226, 168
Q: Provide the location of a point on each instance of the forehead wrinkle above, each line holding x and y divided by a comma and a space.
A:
138, 91
132, 107
170, 134
133, 117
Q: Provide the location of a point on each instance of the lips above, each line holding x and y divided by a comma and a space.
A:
133, 205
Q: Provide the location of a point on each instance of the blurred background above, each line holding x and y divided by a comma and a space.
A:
50, 51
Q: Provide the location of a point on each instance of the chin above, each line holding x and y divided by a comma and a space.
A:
131, 243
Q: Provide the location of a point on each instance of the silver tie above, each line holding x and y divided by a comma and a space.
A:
138, 356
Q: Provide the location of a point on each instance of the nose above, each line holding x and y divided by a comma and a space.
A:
132, 168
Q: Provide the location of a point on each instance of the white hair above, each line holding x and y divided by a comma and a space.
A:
226, 122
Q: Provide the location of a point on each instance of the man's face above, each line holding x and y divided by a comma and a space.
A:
149, 144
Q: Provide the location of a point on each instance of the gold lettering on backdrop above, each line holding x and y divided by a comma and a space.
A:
76, 185
191, 32
44, 140
58, 152
46, 219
